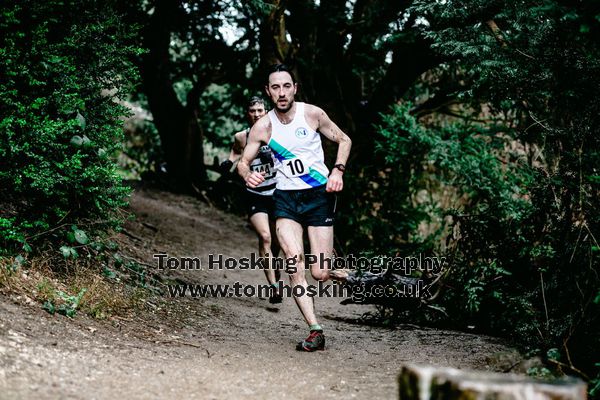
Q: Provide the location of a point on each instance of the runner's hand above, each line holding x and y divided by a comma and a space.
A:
335, 182
254, 179
225, 167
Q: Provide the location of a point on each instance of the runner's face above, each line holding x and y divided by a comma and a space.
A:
281, 89
255, 112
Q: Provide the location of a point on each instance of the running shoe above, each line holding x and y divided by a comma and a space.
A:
315, 341
276, 299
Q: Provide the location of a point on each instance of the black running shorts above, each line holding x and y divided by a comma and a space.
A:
308, 207
256, 203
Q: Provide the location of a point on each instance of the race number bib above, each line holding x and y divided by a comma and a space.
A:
295, 167
263, 164
265, 169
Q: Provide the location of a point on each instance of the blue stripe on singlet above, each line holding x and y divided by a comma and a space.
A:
313, 178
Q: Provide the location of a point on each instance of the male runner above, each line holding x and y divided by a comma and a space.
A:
259, 199
305, 188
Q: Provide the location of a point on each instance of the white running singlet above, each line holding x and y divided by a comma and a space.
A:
299, 151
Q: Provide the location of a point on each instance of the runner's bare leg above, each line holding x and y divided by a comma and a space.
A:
321, 242
289, 233
260, 222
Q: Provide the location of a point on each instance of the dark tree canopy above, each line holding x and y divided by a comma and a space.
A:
352, 60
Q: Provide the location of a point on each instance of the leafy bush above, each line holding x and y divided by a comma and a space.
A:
64, 63
510, 193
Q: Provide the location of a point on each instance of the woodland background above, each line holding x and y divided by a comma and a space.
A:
475, 127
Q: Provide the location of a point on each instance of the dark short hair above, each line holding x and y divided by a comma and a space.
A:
255, 100
280, 68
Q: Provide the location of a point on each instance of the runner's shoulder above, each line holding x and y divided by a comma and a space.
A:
312, 109
262, 129
240, 137
314, 115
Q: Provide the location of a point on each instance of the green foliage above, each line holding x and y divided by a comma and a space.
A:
67, 304
64, 64
502, 177
141, 150
537, 67
540, 373
226, 106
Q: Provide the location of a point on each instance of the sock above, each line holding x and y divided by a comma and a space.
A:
315, 327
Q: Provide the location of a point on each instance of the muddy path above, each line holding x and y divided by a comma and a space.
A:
213, 348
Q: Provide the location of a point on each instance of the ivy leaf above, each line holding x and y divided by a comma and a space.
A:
98, 246
85, 141
118, 259
81, 237
81, 121
108, 273
553, 354
71, 237
70, 312
77, 140
19, 261
48, 306
68, 252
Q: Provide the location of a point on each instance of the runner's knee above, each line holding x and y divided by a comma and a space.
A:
264, 237
320, 275
294, 265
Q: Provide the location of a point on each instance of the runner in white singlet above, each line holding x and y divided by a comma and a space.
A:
305, 194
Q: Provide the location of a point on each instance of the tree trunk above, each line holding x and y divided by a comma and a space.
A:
180, 134
429, 382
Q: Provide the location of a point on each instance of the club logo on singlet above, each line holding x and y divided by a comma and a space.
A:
301, 133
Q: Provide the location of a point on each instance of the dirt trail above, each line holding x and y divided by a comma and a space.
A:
212, 348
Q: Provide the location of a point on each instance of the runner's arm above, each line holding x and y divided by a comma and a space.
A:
258, 135
331, 131
239, 141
